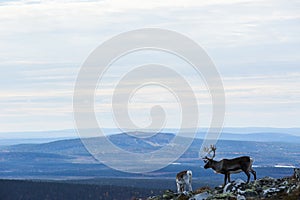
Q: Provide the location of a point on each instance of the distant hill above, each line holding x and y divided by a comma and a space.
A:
66, 159
241, 134
241, 130
8, 142
261, 137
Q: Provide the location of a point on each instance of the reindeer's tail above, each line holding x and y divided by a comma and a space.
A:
251, 162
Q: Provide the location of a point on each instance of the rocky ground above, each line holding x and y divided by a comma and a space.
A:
266, 188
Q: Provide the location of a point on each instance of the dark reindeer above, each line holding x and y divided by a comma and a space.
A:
229, 166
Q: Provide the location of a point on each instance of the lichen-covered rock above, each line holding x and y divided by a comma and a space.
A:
184, 196
202, 190
266, 188
154, 198
267, 181
225, 196
168, 194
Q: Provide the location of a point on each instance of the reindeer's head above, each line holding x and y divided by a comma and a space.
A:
208, 161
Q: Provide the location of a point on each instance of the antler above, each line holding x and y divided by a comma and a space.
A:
212, 148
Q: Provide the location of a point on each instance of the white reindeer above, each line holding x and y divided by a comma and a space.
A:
184, 179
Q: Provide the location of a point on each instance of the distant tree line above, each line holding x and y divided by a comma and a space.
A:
38, 190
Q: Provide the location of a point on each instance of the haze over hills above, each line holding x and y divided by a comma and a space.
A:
67, 159
260, 137
292, 131
259, 134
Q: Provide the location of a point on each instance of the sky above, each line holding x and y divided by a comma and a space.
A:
255, 46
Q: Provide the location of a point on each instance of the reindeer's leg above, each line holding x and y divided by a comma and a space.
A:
228, 177
178, 187
190, 187
190, 183
248, 175
225, 179
254, 173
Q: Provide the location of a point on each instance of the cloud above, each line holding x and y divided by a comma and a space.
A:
78, 26
255, 45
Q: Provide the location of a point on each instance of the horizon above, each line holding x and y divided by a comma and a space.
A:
73, 133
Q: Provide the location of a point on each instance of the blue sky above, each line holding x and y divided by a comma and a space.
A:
254, 44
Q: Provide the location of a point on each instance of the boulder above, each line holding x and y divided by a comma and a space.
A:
233, 186
251, 193
270, 191
201, 196
240, 197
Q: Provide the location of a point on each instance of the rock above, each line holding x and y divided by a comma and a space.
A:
227, 196
270, 191
297, 173
201, 196
168, 194
250, 193
239, 182
265, 188
267, 181
291, 189
154, 198
240, 192
240, 197
282, 188
182, 197
218, 189
202, 190
258, 189
285, 182
228, 188
233, 186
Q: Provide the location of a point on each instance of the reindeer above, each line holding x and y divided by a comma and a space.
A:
184, 179
229, 166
